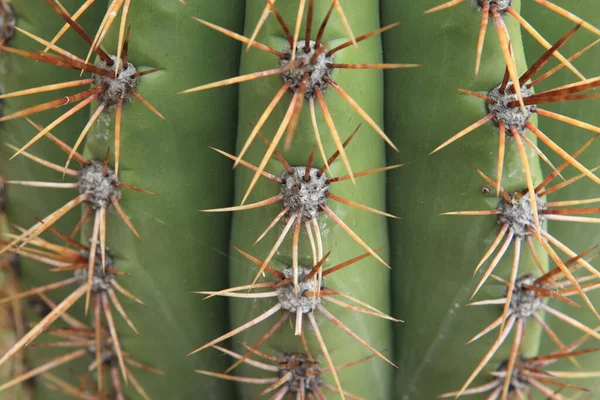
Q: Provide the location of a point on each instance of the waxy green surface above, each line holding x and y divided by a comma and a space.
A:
182, 250
367, 280
433, 257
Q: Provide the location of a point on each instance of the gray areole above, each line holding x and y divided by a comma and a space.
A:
518, 215
117, 88
317, 70
299, 194
513, 117
304, 372
290, 300
524, 303
101, 188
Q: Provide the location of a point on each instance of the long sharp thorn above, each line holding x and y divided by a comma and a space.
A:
84, 132
43, 162
47, 366
126, 293
258, 204
540, 154
121, 310
103, 238
362, 113
92, 260
485, 15
114, 336
444, 6
40, 227
360, 206
528, 178
565, 164
344, 328
465, 131
299, 16
248, 165
564, 62
353, 235
57, 49
291, 129
48, 88
566, 156
567, 120
98, 340
50, 105
240, 38
255, 381
487, 329
571, 321
65, 27
501, 148
237, 79
334, 133
313, 118
566, 270
561, 66
495, 261
335, 155
295, 240
552, 50
261, 121
44, 323
122, 38
274, 143
118, 116
349, 262
124, 217
508, 58
330, 363
347, 28
488, 356
511, 282
363, 37
309, 22
374, 66
62, 145
109, 17
260, 23
323, 25
513, 358
568, 15
282, 236
146, 103
241, 328
271, 225
57, 122
40, 289
260, 341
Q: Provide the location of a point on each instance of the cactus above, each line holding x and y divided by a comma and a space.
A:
375, 219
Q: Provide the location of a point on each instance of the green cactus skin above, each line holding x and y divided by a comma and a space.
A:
577, 236
24, 204
433, 257
367, 280
181, 250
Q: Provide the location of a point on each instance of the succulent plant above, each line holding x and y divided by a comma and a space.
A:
299, 186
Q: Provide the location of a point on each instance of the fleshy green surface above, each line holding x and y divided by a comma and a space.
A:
577, 236
367, 280
182, 251
433, 257
27, 203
